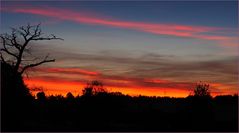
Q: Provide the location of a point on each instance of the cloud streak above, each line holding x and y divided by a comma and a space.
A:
197, 32
152, 70
67, 71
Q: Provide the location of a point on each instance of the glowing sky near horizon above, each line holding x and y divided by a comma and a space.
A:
148, 48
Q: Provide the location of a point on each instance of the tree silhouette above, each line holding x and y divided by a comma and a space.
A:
16, 49
87, 91
41, 96
202, 90
69, 96
94, 87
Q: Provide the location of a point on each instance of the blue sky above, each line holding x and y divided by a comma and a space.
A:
123, 31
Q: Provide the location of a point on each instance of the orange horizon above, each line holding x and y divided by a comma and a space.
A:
63, 87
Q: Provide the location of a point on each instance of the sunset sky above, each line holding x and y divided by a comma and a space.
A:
148, 48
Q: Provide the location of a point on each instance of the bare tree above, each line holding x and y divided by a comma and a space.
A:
16, 47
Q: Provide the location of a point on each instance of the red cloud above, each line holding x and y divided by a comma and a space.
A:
161, 29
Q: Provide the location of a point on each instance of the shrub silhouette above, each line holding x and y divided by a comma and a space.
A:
41, 96
69, 96
93, 88
202, 90
87, 91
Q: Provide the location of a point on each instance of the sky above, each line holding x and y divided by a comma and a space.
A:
155, 48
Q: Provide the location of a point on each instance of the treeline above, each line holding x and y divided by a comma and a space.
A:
100, 110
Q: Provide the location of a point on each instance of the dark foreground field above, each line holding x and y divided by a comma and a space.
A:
122, 113
112, 111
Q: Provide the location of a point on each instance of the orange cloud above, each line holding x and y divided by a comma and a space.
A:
161, 29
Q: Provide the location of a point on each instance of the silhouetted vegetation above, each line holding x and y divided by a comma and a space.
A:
202, 90
94, 88
16, 50
100, 110
16, 101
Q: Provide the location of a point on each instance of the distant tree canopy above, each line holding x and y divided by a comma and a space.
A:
93, 88
16, 50
69, 95
41, 96
202, 90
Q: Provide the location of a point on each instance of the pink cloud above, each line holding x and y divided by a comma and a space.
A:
160, 29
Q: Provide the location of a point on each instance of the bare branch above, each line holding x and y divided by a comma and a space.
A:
37, 31
11, 44
36, 64
5, 49
14, 40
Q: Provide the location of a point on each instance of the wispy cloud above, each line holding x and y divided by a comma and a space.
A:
76, 71
122, 69
177, 30
158, 72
